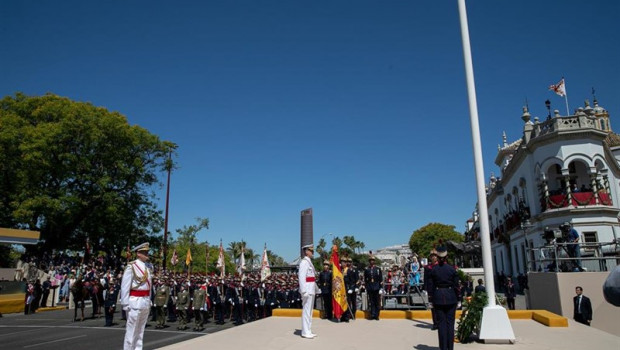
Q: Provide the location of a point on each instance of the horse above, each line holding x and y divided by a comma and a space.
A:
80, 294
95, 290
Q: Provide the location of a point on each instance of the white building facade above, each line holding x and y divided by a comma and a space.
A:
563, 169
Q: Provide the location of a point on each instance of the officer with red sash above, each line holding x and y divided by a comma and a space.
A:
307, 289
136, 297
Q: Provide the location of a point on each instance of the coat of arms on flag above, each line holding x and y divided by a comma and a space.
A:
339, 295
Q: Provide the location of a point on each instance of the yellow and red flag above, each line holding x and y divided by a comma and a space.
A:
188, 257
339, 294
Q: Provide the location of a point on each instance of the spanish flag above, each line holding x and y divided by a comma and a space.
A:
339, 294
188, 258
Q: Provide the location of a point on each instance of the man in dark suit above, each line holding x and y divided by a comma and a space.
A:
373, 279
583, 307
325, 284
444, 295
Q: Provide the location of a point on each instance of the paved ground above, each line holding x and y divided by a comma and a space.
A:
55, 330
280, 333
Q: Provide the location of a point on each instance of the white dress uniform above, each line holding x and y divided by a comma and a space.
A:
307, 289
136, 300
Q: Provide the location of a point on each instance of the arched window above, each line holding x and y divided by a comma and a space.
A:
579, 175
555, 180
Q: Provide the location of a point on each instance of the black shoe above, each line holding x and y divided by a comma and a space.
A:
434, 328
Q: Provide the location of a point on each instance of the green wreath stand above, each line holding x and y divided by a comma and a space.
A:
471, 317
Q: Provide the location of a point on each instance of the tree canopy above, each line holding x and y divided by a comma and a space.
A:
424, 239
74, 171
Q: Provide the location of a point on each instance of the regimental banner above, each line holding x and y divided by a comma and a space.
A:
265, 269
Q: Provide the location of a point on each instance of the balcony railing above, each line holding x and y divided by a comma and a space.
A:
555, 257
576, 199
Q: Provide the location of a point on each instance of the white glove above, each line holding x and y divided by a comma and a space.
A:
381, 291
357, 290
255, 305
349, 291
430, 305
126, 307
459, 305
165, 306
304, 294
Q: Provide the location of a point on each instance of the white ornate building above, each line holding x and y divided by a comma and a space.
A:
563, 169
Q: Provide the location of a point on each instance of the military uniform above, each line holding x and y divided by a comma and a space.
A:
135, 298
199, 305
110, 304
162, 294
351, 282
427, 275
218, 308
325, 285
444, 294
307, 288
232, 297
183, 304
373, 279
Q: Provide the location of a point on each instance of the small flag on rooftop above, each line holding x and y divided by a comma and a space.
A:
559, 88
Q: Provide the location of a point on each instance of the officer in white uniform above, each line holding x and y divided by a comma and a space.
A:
307, 289
136, 297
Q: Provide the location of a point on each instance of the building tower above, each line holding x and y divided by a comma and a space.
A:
306, 228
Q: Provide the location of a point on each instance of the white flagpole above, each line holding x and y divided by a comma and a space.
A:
495, 323
566, 98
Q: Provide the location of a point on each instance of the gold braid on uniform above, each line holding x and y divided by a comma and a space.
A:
142, 279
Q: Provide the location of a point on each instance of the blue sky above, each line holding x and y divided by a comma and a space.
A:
357, 109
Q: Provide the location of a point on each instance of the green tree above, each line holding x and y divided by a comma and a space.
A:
275, 259
424, 239
320, 248
234, 249
74, 171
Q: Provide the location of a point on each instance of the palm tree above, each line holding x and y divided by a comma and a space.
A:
234, 249
361, 246
251, 257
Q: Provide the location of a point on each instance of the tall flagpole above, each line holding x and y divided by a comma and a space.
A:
165, 245
566, 99
495, 323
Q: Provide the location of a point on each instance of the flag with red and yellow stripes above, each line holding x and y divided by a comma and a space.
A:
339, 294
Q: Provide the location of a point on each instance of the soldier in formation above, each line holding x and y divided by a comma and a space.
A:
162, 295
183, 306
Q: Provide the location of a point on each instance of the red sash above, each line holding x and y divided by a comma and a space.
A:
139, 293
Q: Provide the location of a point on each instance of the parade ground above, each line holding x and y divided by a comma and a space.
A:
55, 330
279, 333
